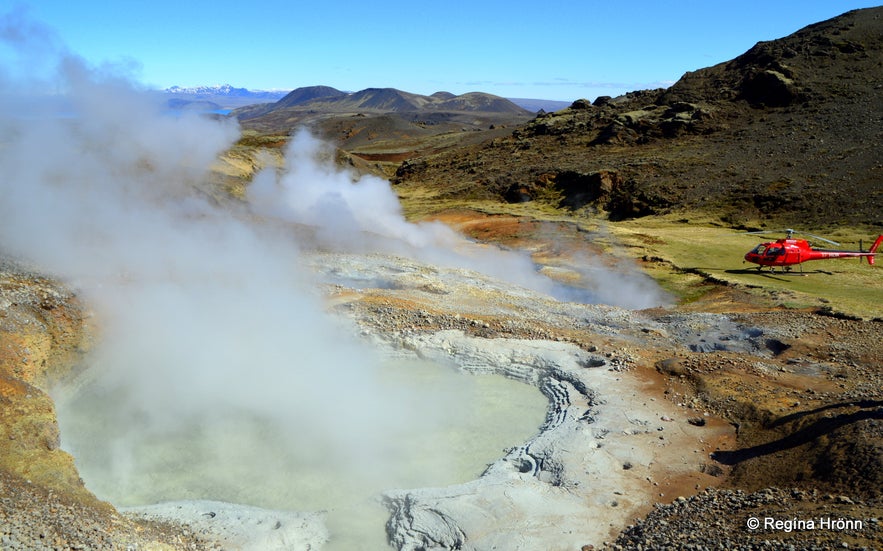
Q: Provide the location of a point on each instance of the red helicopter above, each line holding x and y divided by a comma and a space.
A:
789, 251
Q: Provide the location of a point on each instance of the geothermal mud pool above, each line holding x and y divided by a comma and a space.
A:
468, 470
461, 423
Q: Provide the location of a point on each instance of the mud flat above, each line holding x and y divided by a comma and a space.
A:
604, 454
595, 465
236, 526
610, 445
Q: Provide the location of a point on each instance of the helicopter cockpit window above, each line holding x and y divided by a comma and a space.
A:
774, 251
759, 249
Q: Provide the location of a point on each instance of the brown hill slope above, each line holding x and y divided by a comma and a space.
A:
789, 132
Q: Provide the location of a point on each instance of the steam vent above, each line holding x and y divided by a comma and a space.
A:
381, 320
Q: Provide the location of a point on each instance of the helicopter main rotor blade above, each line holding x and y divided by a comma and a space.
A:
821, 239
789, 233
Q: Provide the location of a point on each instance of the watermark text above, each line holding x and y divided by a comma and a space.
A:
803, 524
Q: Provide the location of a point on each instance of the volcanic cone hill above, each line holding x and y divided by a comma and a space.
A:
788, 131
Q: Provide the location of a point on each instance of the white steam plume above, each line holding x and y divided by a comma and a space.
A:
366, 216
201, 313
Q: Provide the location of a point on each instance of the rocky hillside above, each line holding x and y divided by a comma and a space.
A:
789, 132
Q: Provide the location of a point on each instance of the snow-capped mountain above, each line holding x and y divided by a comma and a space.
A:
226, 90
224, 95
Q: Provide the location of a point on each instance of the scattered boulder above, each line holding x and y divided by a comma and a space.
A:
601, 101
697, 421
580, 189
769, 88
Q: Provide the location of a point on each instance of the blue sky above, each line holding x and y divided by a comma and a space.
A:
562, 50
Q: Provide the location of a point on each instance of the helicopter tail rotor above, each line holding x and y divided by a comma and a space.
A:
873, 249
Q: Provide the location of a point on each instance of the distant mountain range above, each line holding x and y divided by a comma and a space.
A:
226, 90
379, 111
230, 97
382, 100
